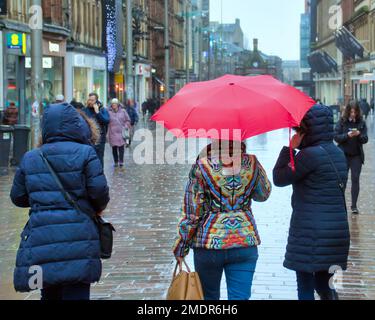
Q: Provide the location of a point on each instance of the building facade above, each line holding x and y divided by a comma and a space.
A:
349, 43
86, 63
15, 70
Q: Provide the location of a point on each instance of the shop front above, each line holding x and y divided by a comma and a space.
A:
85, 73
16, 72
143, 82
363, 80
15, 46
53, 71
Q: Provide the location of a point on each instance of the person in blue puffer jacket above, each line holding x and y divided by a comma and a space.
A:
319, 237
63, 243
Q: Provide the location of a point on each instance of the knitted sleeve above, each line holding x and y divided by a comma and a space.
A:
192, 211
263, 187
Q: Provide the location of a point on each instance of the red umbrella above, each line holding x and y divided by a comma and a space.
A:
250, 105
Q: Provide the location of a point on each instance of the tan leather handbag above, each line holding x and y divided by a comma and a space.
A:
185, 286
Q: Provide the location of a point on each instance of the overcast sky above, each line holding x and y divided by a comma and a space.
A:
274, 22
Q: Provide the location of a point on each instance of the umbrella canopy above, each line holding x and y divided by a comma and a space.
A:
224, 107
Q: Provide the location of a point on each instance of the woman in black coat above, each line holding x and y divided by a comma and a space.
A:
351, 135
319, 238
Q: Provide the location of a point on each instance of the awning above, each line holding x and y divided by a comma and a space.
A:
348, 44
322, 62
158, 80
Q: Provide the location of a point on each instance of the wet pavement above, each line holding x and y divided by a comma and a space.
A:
145, 205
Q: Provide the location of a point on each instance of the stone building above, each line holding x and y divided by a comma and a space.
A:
15, 69
350, 45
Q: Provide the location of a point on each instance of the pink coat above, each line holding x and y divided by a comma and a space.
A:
118, 121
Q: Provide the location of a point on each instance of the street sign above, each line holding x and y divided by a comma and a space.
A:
3, 7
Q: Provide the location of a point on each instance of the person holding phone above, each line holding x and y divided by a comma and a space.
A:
351, 135
95, 110
319, 235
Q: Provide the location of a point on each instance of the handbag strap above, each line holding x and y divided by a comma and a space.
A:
177, 264
340, 182
66, 195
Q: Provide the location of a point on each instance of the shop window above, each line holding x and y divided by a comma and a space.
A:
80, 84
99, 84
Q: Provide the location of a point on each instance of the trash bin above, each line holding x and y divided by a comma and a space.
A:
20, 143
5, 141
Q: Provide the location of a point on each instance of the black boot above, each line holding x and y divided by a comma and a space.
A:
329, 295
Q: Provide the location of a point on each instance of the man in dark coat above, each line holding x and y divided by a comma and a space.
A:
319, 235
365, 107
64, 243
95, 110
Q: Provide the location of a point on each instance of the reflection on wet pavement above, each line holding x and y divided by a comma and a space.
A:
145, 205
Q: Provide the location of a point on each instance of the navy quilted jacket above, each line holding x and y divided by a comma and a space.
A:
63, 242
319, 232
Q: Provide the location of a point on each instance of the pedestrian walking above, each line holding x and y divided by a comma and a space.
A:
119, 121
365, 108
351, 135
218, 222
10, 115
95, 110
60, 241
319, 232
134, 118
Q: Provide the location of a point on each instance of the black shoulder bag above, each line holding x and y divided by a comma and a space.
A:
341, 184
105, 228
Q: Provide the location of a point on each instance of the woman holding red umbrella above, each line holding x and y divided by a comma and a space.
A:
217, 220
319, 238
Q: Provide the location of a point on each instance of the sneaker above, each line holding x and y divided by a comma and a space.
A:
121, 164
115, 165
355, 211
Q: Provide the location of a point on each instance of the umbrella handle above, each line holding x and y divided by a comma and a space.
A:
292, 163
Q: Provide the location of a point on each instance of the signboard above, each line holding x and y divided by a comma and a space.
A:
3, 7
143, 70
47, 63
16, 41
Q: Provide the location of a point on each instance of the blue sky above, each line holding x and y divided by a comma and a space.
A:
274, 22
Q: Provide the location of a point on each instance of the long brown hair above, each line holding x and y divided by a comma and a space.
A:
95, 131
354, 104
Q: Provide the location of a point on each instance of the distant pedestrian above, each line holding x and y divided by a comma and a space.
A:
95, 110
59, 98
351, 135
319, 235
10, 116
62, 242
134, 118
218, 222
145, 107
365, 107
119, 120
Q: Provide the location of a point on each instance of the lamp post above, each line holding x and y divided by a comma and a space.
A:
129, 51
166, 47
36, 26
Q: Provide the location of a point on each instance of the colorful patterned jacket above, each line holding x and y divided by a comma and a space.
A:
216, 212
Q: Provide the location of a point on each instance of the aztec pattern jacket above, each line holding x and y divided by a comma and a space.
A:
216, 212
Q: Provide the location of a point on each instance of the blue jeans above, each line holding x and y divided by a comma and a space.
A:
307, 283
238, 265
79, 291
